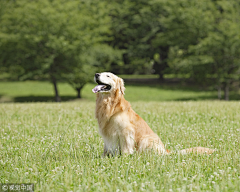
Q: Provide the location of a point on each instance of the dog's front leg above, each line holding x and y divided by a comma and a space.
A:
105, 151
111, 150
127, 143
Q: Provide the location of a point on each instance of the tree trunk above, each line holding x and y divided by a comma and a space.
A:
57, 97
226, 91
161, 77
162, 64
79, 92
52, 73
219, 92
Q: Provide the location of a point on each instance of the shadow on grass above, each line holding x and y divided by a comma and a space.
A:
25, 99
31, 98
197, 98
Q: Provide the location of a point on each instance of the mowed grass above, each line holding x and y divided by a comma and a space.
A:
57, 147
37, 91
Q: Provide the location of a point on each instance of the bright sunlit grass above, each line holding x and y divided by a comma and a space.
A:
57, 147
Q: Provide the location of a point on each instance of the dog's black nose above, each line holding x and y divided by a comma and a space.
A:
97, 75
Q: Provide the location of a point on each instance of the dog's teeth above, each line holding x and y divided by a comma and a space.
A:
104, 87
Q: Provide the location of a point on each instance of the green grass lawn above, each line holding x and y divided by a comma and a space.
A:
57, 147
37, 91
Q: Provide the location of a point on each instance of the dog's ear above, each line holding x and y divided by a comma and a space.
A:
121, 85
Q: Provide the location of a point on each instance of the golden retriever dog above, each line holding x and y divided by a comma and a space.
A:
123, 130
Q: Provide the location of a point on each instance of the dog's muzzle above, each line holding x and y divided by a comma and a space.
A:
101, 87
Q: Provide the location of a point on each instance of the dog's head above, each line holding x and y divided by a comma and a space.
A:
107, 83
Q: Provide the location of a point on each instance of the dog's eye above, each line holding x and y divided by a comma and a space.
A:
108, 76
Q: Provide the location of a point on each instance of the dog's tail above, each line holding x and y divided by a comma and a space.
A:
198, 150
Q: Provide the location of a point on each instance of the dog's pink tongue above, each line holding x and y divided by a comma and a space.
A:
97, 88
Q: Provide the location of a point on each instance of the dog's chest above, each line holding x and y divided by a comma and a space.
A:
116, 130
115, 125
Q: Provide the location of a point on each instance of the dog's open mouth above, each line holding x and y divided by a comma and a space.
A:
101, 87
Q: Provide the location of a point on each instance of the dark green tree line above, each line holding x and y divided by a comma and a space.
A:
71, 40
47, 39
215, 55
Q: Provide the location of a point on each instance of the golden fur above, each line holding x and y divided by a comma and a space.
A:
123, 130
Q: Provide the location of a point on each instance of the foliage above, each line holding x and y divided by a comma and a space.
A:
80, 77
95, 59
53, 39
217, 52
48, 37
147, 30
134, 25
223, 45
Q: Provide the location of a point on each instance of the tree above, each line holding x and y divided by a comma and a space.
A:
95, 59
216, 54
80, 77
44, 39
183, 24
147, 30
134, 25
